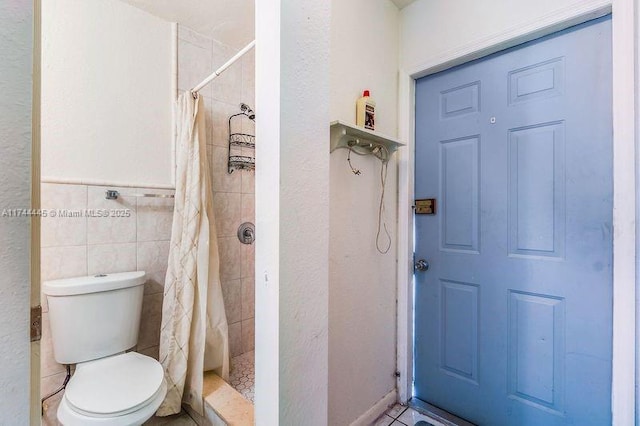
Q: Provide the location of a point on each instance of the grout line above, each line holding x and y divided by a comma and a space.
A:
111, 244
86, 246
192, 43
389, 417
65, 246
59, 373
401, 413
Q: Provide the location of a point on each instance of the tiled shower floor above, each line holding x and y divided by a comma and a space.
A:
242, 375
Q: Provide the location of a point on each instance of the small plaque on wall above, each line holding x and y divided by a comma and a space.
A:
426, 206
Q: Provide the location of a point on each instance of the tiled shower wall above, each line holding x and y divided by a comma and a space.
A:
233, 194
78, 246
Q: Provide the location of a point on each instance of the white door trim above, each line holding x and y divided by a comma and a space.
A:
624, 176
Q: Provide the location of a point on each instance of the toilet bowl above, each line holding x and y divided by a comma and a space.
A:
94, 321
119, 390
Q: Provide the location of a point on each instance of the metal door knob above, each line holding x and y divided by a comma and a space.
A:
422, 265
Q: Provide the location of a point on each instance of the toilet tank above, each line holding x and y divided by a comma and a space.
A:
93, 317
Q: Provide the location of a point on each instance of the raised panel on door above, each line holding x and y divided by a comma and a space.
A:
536, 190
459, 330
459, 194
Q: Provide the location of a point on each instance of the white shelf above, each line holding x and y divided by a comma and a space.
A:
361, 140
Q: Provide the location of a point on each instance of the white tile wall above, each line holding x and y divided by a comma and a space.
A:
221, 181
149, 336
232, 293
248, 207
63, 261
152, 255
248, 77
112, 229
82, 246
248, 261
154, 218
228, 86
227, 207
230, 266
190, 36
111, 258
248, 335
248, 297
155, 281
220, 113
70, 231
233, 198
194, 65
235, 338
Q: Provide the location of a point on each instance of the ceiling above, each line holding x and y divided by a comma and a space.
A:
229, 22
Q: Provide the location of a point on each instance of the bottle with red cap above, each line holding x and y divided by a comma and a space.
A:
366, 111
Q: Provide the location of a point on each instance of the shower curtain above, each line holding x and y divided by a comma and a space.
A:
194, 332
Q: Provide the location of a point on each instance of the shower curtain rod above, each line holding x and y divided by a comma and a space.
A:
223, 67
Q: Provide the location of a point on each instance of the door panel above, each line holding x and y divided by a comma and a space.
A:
459, 189
536, 190
513, 319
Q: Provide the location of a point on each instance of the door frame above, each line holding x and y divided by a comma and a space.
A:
624, 48
35, 303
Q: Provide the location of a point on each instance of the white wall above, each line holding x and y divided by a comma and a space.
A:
292, 213
106, 93
364, 55
15, 192
432, 29
362, 292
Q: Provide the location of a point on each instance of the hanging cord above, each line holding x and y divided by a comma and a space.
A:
64, 385
354, 170
382, 154
382, 220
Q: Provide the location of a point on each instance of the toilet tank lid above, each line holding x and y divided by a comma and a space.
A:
93, 284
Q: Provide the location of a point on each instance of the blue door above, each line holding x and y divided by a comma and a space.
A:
513, 319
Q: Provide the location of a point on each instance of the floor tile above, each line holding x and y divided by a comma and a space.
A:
384, 420
396, 410
411, 417
181, 419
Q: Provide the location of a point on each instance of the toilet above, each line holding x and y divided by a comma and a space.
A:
94, 321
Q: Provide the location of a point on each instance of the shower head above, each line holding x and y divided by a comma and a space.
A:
246, 110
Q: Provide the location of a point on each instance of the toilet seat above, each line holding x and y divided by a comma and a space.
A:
114, 390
